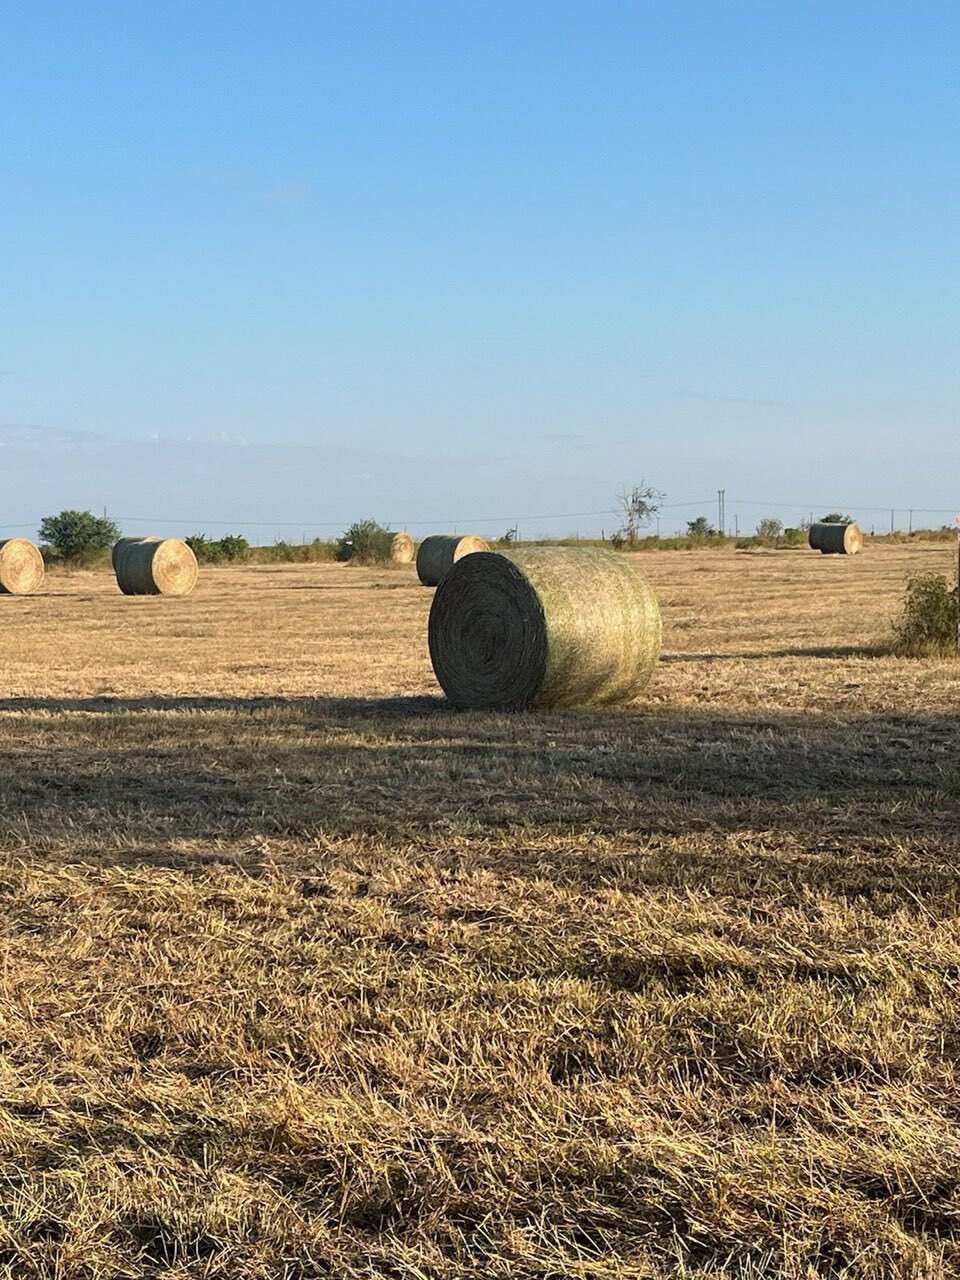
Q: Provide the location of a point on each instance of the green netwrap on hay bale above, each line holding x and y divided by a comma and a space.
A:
121, 543
403, 549
21, 567
544, 628
833, 538
154, 567
441, 551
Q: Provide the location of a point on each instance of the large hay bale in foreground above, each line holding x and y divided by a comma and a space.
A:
21, 567
836, 539
544, 628
403, 549
154, 567
441, 551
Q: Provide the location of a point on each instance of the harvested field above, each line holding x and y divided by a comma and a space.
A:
306, 975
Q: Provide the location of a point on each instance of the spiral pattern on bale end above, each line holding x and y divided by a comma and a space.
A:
403, 549
154, 566
441, 551
544, 628
832, 538
21, 567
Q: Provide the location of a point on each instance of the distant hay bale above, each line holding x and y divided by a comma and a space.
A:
544, 628
403, 549
441, 551
21, 567
154, 567
836, 539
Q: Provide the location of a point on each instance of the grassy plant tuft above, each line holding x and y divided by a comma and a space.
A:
931, 615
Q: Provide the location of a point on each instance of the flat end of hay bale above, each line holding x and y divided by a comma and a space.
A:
544, 628
21, 567
487, 637
403, 549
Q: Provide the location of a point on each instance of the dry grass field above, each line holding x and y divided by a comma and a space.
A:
305, 975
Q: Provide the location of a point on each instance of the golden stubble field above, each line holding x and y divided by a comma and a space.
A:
304, 974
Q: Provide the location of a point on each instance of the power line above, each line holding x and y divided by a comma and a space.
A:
855, 506
445, 520
461, 521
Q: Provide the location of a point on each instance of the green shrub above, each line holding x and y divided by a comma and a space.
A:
201, 546
283, 552
365, 542
233, 546
701, 528
218, 550
77, 537
931, 615
770, 528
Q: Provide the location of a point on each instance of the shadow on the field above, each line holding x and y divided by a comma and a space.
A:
44, 594
350, 586
665, 795
829, 651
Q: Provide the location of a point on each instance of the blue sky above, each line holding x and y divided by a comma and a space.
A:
442, 265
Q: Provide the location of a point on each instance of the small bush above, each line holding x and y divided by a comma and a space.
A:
365, 542
701, 528
218, 550
233, 546
200, 545
283, 552
931, 614
77, 538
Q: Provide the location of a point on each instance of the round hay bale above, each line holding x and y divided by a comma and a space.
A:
441, 551
544, 628
836, 539
21, 567
155, 567
403, 549
119, 545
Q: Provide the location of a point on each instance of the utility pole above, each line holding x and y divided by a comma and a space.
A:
736, 526
910, 521
721, 513
891, 519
